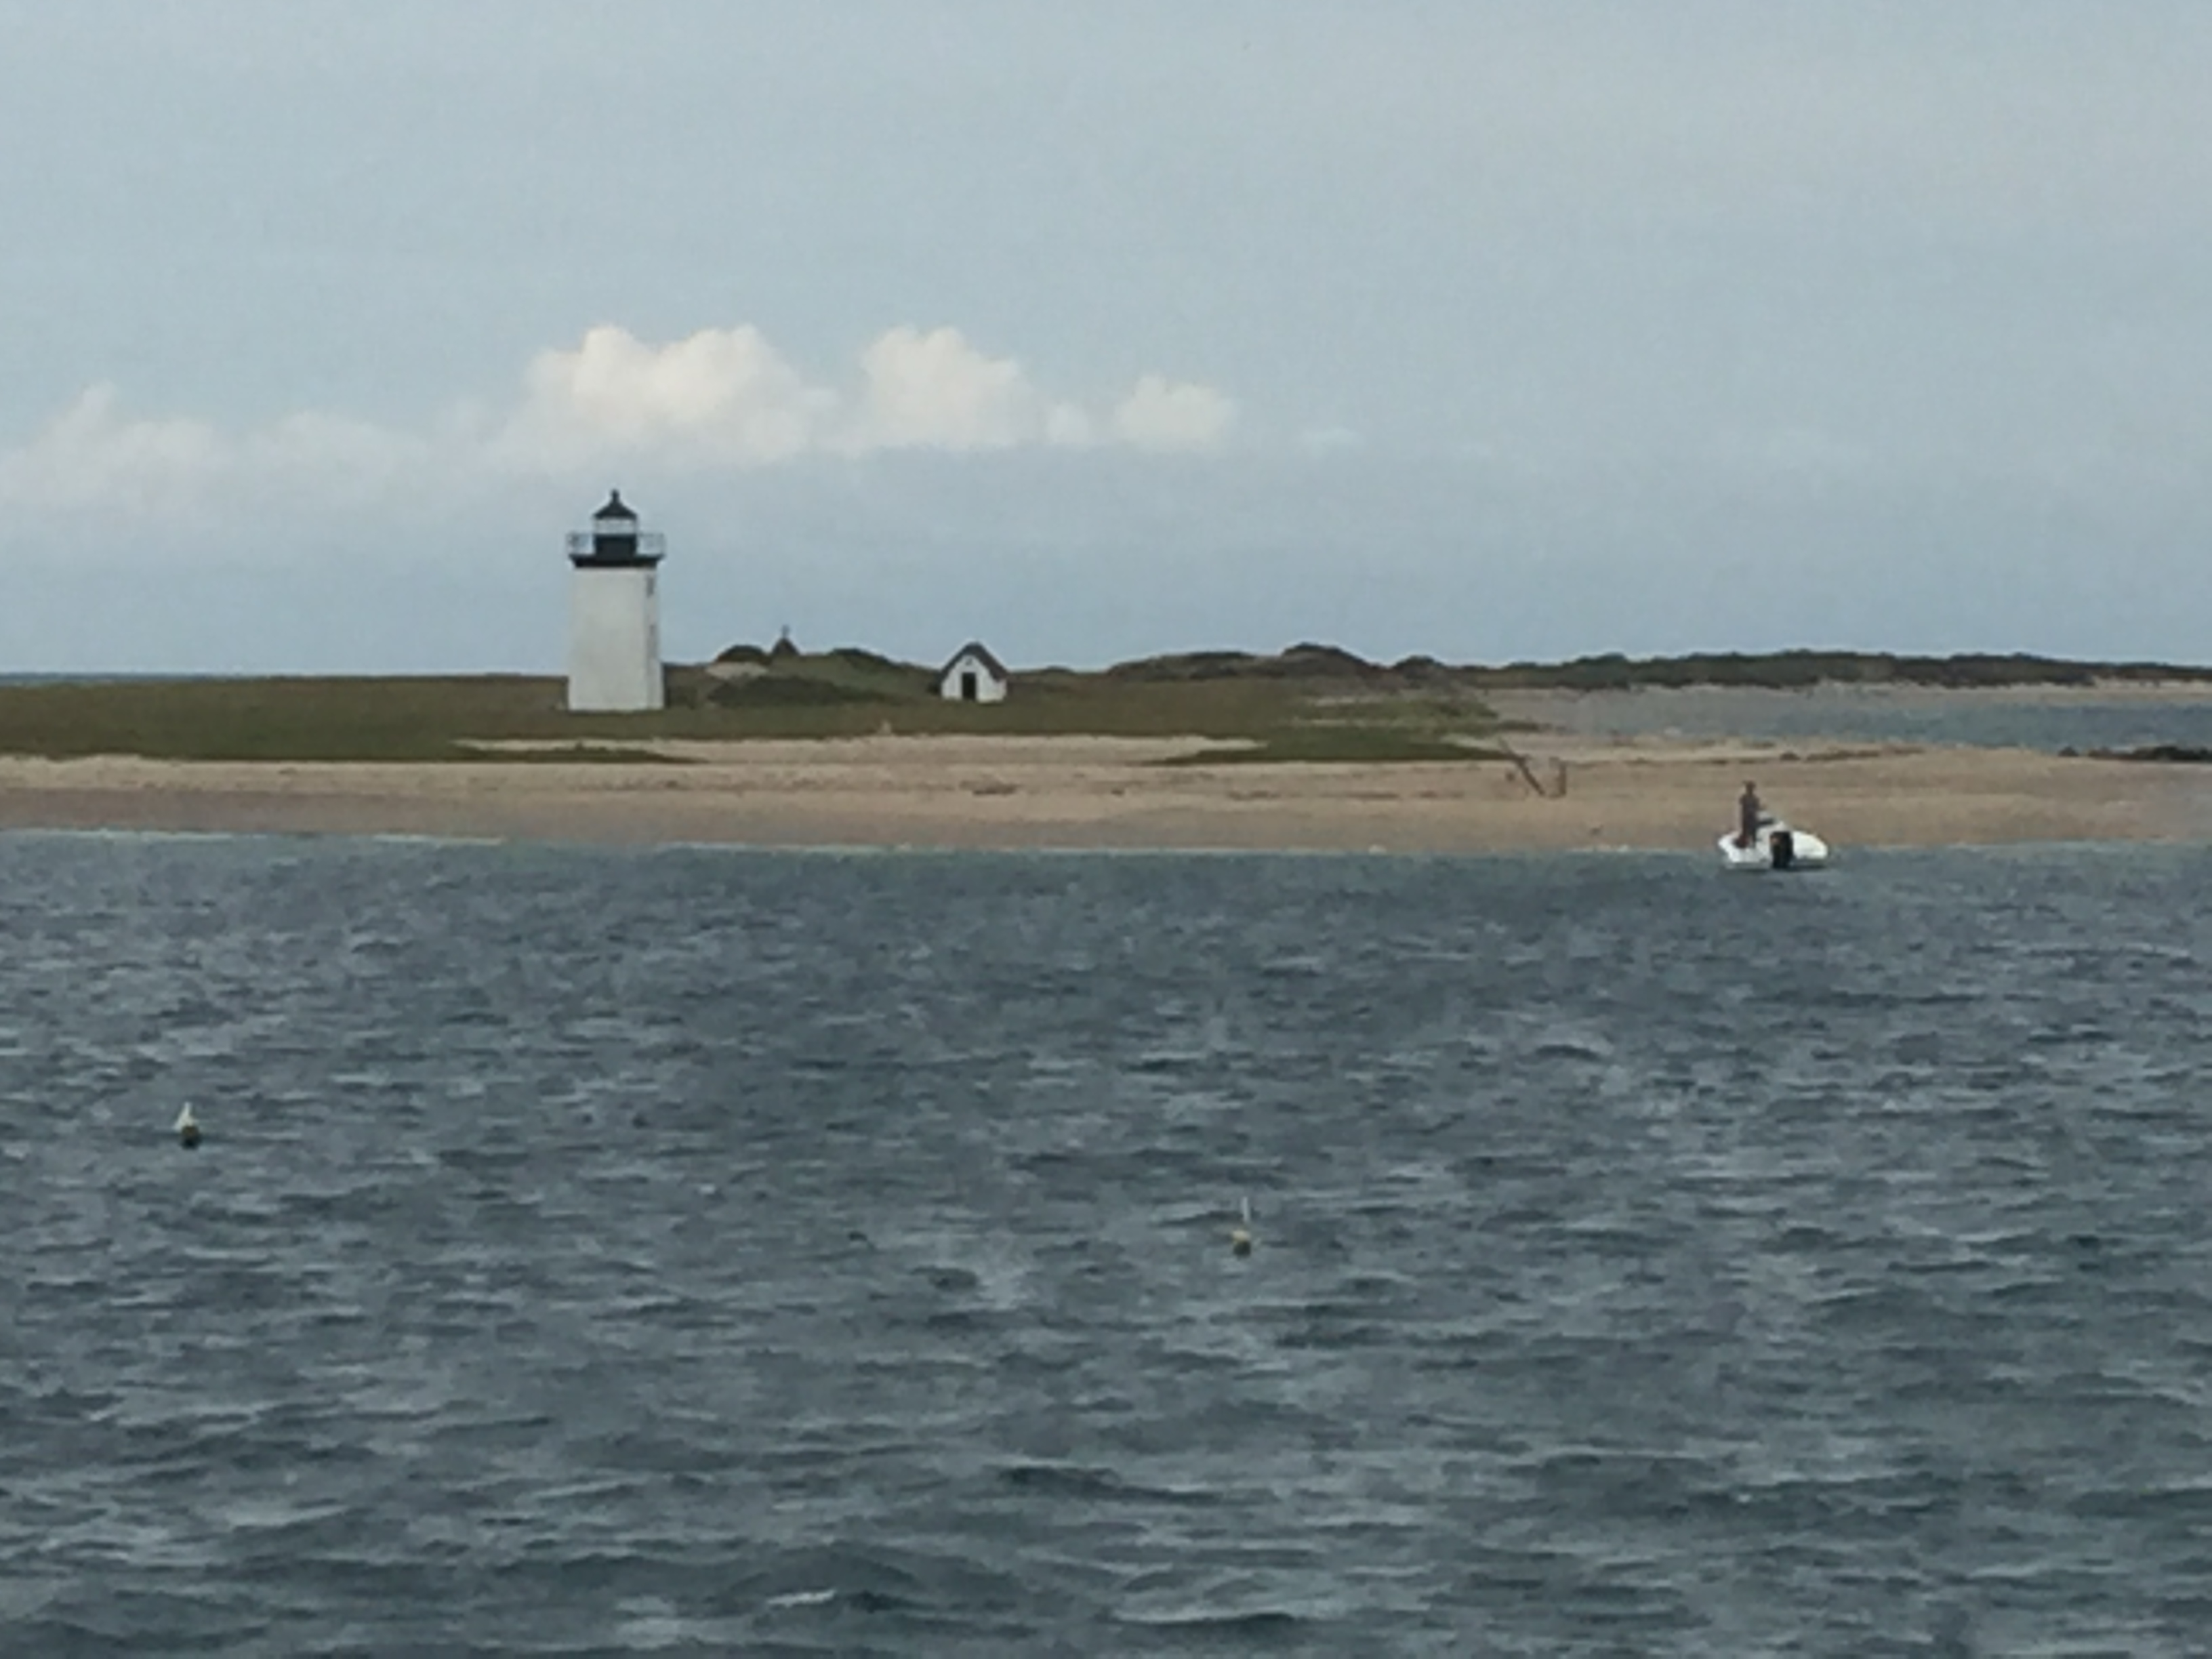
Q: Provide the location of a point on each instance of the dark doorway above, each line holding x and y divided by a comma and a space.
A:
968, 685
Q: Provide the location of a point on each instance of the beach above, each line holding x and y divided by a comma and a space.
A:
1578, 790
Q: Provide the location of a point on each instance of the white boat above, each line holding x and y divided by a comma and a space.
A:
1777, 846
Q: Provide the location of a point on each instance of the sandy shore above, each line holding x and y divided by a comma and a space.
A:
1109, 793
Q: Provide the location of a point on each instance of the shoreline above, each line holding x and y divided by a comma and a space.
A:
1111, 795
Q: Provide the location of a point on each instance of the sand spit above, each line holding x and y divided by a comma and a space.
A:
1107, 792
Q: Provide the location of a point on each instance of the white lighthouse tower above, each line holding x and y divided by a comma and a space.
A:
614, 617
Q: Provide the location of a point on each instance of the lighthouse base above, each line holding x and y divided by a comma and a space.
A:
614, 642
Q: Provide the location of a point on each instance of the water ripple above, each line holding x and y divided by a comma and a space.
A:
602, 1253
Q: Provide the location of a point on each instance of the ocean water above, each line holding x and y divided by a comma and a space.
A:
2013, 720
694, 1251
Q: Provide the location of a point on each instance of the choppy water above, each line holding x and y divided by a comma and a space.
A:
598, 1252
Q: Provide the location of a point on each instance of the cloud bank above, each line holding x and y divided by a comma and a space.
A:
723, 399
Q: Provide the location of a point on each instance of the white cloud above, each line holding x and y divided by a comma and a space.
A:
1068, 427
94, 455
97, 456
1161, 414
721, 399
722, 396
311, 451
935, 391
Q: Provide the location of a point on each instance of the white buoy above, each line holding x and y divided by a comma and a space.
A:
1240, 1237
188, 1128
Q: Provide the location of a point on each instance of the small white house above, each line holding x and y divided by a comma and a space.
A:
974, 675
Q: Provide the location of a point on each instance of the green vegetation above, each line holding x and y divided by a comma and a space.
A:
1310, 704
407, 719
746, 695
2169, 754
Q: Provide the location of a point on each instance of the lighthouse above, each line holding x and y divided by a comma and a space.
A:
614, 615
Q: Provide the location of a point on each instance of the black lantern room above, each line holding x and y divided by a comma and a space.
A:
614, 541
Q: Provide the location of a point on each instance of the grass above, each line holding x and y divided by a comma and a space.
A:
846, 693
1279, 717
409, 718
1308, 704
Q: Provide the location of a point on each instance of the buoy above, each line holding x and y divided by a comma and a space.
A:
1240, 1237
188, 1128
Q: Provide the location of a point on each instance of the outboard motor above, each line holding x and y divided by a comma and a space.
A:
1782, 848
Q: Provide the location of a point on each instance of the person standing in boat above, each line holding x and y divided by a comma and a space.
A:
1748, 815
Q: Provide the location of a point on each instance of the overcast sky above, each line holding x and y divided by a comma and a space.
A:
1488, 331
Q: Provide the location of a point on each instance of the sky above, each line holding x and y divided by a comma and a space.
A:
1486, 331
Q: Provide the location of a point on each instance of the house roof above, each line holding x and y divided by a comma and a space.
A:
976, 650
